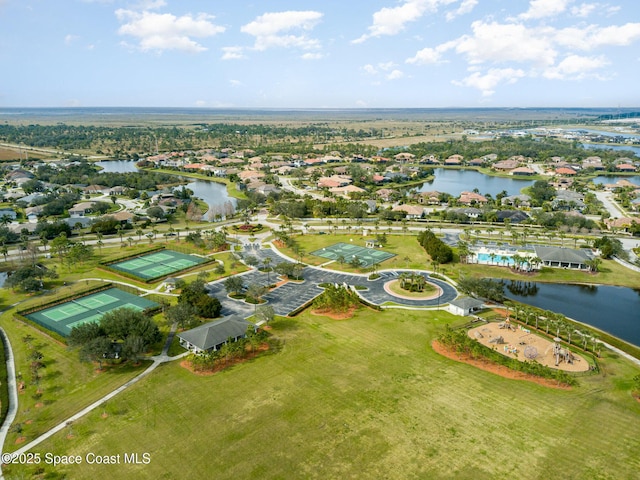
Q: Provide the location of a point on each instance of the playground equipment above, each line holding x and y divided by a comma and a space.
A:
498, 340
530, 352
562, 354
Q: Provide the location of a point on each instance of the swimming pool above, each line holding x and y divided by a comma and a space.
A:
498, 259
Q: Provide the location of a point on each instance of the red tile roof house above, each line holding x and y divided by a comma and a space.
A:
625, 167
565, 171
334, 181
404, 157
469, 198
620, 223
476, 162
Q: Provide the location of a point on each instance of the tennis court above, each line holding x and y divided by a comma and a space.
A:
156, 265
346, 252
62, 318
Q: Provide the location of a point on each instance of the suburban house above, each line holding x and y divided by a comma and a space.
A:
464, 306
430, 198
213, 335
565, 171
404, 157
346, 190
523, 171
81, 209
521, 200
625, 167
412, 211
8, 213
454, 160
620, 224
568, 200
469, 198
560, 257
506, 165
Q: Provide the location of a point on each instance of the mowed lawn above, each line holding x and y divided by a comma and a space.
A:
360, 398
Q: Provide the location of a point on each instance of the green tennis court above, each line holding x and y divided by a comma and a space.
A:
62, 318
346, 252
158, 264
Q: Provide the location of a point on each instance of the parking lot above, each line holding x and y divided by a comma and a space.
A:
290, 296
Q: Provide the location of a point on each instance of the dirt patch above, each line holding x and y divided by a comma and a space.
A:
20, 440
39, 405
335, 315
494, 368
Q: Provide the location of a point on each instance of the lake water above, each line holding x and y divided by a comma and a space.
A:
613, 179
599, 146
454, 182
611, 309
118, 166
3, 278
211, 192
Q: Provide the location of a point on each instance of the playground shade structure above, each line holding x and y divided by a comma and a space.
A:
159, 264
63, 317
367, 256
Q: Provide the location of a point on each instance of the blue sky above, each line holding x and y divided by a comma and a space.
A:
320, 54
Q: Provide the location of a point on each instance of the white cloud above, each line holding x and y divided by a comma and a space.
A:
592, 36
233, 53
312, 56
488, 81
270, 30
583, 10
497, 43
370, 69
544, 8
69, 39
392, 20
164, 31
235, 83
466, 6
394, 75
429, 56
200, 103
575, 67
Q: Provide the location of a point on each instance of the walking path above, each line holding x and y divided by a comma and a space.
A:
157, 360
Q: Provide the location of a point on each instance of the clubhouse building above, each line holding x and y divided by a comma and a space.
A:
213, 335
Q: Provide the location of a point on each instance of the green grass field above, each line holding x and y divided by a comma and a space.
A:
361, 398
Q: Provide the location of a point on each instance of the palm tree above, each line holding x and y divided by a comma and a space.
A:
492, 257
139, 232
4, 250
267, 262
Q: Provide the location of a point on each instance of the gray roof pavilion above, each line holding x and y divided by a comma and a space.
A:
212, 335
563, 257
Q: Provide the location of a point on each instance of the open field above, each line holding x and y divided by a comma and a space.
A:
361, 398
